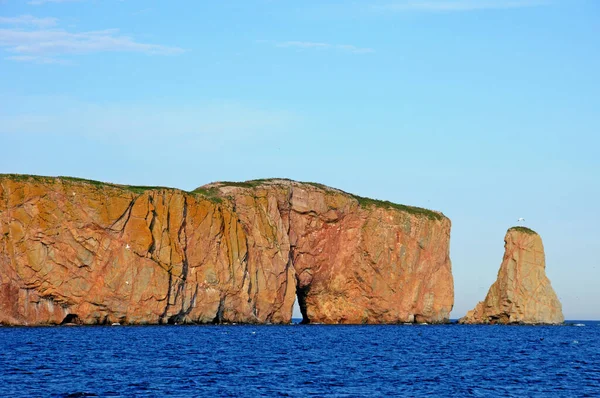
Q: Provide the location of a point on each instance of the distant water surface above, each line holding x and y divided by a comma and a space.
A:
318, 360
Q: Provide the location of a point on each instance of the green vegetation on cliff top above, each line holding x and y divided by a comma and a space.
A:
418, 211
99, 184
362, 201
524, 230
212, 193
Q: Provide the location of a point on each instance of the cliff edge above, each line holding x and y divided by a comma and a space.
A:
80, 251
522, 292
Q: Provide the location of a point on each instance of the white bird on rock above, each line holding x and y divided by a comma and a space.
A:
127, 246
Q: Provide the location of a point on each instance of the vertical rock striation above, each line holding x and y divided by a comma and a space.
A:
522, 292
87, 252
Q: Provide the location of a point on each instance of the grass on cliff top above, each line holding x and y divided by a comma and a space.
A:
417, 211
524, 230
243, 184
133, 188
362, 201
27, 177
213, 194
99, 184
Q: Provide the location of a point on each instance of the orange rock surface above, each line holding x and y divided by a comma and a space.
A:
78, 251
522, 292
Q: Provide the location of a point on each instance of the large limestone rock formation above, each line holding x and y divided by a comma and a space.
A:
81, 251
522, 292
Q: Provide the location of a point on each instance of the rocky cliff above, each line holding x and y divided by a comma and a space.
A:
79, 251
522, 292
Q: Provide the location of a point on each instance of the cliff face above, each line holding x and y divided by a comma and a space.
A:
522, 292
86, 252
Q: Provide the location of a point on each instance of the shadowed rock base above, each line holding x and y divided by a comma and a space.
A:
522, 293
78, 251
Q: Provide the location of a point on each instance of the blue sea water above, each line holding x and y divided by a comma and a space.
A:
301, 360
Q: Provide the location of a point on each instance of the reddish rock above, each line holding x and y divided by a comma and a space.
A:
522, 292
77, 251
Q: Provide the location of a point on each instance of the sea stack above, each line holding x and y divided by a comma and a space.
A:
522, 293
79, 251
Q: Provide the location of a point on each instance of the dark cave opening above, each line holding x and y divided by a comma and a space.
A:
72, 319
301, 293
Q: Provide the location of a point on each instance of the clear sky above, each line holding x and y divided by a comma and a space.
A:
488, 110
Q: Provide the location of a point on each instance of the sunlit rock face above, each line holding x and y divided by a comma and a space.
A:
522, 292
77, 251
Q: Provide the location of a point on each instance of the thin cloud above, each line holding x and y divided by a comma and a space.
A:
302, 44
206, 122
354, 49
28, 20
41, 2
323, 46
40, 44
37, 59
458, 5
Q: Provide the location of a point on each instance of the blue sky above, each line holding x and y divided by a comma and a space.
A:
488, 110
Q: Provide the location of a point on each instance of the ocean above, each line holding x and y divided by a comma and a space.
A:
301, 360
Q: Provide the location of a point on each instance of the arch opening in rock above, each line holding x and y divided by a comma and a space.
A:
301, 293
72, 319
